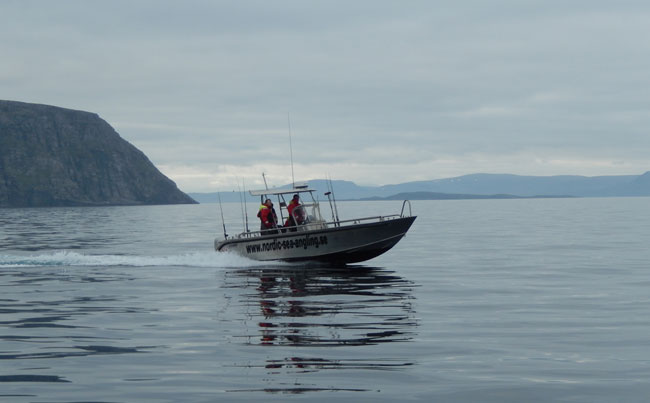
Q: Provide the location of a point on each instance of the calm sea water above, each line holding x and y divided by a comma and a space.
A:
491, 301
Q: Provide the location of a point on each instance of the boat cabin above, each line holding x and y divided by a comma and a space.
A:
307, 216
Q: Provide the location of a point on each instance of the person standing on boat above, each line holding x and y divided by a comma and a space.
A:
275, 218
291, 220
268, 217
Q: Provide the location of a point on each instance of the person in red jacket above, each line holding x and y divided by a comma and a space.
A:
268, 218
294, 218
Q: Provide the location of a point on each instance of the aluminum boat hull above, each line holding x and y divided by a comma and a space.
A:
340, 245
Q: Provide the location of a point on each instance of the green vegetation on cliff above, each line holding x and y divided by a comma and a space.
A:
51, 156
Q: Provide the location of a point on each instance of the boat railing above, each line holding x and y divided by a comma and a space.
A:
364, 219
404, 205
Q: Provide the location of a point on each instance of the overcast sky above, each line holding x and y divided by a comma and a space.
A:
378, 92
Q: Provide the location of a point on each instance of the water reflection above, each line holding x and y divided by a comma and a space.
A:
332, 315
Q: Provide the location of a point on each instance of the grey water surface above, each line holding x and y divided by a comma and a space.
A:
489, 300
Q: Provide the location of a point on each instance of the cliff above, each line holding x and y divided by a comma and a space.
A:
51, 156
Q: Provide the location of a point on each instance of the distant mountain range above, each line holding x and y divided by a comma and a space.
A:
477, 186
453, 196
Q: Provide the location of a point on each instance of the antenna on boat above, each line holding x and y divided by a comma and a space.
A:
264, 177
222, 221
293, 180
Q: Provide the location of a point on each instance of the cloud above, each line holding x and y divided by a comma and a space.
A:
377, 91
492, 111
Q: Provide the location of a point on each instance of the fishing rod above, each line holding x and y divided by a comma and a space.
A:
328, 193
336, 210
245, 208
241, 205
225, 235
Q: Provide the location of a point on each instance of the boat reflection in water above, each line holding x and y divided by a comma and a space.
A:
299, 311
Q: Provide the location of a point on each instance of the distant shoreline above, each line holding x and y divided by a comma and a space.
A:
475, 187
452, 196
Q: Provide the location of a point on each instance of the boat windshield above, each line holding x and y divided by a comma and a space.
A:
300, 215
307, 212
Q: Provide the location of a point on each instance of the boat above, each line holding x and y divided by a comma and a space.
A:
313, 239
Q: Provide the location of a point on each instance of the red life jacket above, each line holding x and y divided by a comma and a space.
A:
266, 216
292, 205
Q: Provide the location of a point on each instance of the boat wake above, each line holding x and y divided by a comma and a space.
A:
68, 258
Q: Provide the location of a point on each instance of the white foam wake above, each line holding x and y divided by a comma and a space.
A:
69, 258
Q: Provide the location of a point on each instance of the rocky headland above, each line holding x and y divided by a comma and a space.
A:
52, 156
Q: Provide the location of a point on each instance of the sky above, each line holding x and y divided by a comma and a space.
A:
376, 92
